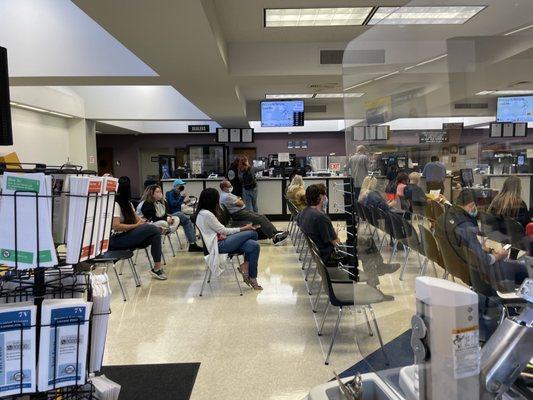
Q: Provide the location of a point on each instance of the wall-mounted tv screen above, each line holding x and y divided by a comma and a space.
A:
282, 113
515, 109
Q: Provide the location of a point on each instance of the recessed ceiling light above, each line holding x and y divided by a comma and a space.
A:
335, 16
518, 30
504, 92
337, 95
289, 96
424, 15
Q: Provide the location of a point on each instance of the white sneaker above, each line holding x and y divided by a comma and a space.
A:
158, 274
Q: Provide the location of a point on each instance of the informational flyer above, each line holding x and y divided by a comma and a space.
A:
17, 340
63, 343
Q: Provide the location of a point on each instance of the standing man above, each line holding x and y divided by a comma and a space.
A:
358, 165
435, 173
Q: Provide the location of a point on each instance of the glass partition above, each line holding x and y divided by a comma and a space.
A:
440, 101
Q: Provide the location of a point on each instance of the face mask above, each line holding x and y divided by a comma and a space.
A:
473, 212
158, 196
325, 203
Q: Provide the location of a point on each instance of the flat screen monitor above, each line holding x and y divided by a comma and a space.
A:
515, 109
467, 177
6, 134
521, 160
282, 113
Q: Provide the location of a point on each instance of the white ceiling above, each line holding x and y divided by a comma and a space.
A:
220, 58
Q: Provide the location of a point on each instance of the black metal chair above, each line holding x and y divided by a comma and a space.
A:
113, 257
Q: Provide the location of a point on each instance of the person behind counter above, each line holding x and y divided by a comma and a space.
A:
132, 232
238, 211
509, 203
358, 165
435, 173
233, 176
175, 200
296, 192
222, 240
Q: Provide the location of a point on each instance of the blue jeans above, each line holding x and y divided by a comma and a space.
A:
245, 242
138, 238
250, 199
188, 226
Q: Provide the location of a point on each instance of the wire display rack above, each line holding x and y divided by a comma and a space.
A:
58, 282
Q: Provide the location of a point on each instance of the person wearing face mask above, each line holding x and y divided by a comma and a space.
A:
459, 227
153, 209
238, 211
175, 200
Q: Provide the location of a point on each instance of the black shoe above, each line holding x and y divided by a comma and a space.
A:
193, 247
384, 268
279, 238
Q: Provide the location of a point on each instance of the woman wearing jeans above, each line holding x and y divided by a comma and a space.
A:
221, 240
249, 184
131, 232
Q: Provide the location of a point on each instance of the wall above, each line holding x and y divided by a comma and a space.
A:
39, 137
126, 147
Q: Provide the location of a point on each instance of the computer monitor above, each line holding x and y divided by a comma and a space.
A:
467, 177
6, 133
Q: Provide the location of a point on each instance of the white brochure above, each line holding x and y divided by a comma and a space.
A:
32, 218
63, 343
17, 348
109, 189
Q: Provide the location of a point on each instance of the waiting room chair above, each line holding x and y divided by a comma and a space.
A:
113, 257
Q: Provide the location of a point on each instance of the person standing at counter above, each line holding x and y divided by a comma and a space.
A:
175, 199
249, 184
358, 165
435, 173
238, 211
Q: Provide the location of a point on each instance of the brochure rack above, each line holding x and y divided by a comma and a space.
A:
58, 282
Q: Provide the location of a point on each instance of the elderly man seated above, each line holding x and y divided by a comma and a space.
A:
236, 207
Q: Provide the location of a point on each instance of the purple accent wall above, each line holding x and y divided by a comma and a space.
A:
126, 147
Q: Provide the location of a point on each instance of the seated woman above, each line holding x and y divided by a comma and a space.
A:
154, 210
369, 196
509, 203
401, 183
296, 192
413, 193
221, 240
131, 232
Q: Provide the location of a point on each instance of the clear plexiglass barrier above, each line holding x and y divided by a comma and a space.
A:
438, 106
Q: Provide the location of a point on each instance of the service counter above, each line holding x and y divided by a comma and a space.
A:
270, 193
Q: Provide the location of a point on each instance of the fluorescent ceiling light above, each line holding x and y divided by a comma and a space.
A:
431, 15
504, 92
386, 76
336, 16
431, 60
289, 96
357, 85
337, 95
518, 30
37, 109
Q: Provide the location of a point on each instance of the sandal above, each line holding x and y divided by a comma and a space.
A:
244, 273
255, 285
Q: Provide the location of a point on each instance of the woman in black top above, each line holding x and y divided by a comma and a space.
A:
249, 185
233, 176
509, 203
154, 209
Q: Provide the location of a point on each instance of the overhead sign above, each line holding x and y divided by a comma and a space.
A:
198, 128
433, 137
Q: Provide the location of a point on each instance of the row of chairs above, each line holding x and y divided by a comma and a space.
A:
340, 288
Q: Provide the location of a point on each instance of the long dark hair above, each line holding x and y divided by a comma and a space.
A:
208, 200
402, 178
123, 199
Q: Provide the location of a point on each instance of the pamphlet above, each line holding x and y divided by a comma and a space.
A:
17, 320
60, 188
109, 190
101, 309
31, 217
63, 343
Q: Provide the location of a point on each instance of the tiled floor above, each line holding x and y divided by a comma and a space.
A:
263, 345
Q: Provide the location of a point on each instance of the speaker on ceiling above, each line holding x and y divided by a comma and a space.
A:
6, 133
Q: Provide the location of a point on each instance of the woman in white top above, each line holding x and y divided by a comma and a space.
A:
131, 232
221, 240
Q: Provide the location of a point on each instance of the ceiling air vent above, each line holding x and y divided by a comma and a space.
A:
315, 108
471, 106
335, 57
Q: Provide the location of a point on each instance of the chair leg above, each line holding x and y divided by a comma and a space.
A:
119, 283
148, 257
136, 256
236, 277
207, 272
434, 267
171, 246
394, 249
407, 251
315, 305
370, 333
379, 333
336, 330
121, 267
323, 320
309, 267
136, 277
304, 258
163, 257
424, 268
179, 240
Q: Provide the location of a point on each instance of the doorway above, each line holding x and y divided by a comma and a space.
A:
181, 157
249, 152
105, 160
